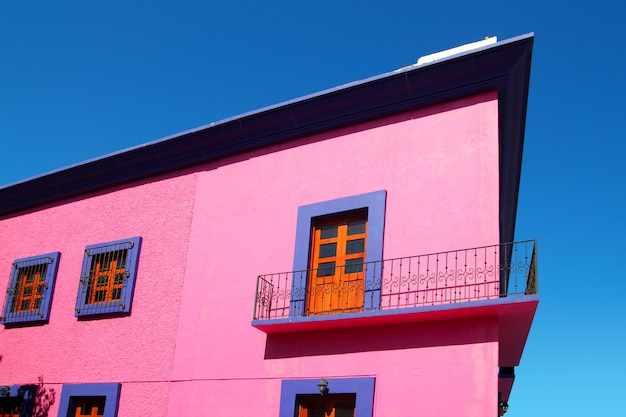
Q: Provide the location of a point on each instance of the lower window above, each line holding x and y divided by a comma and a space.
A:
87, 406
17, 400
343, 397
81, 400
10, 407
334, 405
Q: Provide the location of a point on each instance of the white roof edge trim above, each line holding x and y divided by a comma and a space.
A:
457, 50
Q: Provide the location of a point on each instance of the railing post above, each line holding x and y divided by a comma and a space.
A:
298, 291
505, 268
256, 298
371, 287
531, 282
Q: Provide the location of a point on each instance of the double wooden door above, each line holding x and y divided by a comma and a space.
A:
337, 264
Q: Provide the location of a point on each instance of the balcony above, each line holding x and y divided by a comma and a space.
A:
415, 288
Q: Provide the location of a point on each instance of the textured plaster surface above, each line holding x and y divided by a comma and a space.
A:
440, 169
188, 343
136, 350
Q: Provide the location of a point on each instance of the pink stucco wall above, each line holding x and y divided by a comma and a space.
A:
440, 169
188, 347
417, 367
137, 350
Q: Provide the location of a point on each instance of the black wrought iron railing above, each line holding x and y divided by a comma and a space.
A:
482, 273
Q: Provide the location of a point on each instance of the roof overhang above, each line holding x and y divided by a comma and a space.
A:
503, 67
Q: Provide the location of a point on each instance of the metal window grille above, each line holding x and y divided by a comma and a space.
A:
106, 277
28, 288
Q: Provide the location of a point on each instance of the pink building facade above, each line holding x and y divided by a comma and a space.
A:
348, 253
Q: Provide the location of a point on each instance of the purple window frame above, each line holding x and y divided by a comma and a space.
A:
362, 387
375, 203
33, 316
111, 392
124, 304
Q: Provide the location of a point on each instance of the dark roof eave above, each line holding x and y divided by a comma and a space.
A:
504, 67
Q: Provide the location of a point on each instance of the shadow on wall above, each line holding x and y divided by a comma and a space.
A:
42, 398
366, 339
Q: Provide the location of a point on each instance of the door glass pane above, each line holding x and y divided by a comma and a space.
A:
354, 265
326, 269
355, 246
326, 232
328, 250
356, 227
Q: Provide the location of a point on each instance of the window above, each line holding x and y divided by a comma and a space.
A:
29, 296
337, 263
333, 405
17, 400
346, 397
108, 278
350, 273
87, 406
10, 407
80, 400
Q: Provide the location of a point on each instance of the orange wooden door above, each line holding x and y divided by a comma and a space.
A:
337, 263
340, 405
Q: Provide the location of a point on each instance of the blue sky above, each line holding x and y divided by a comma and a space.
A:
80, 79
